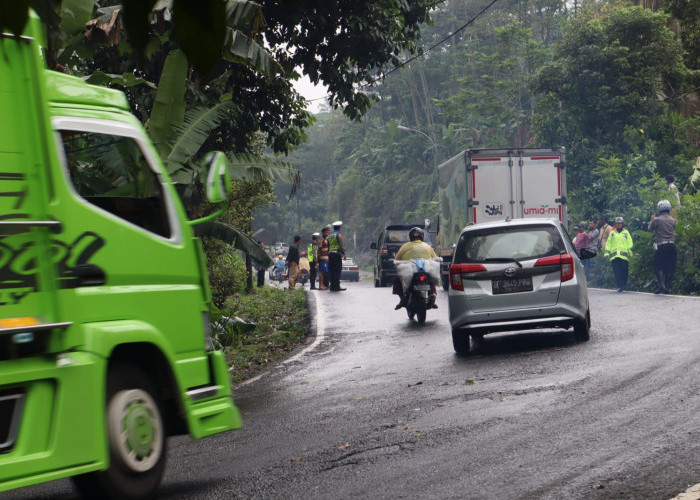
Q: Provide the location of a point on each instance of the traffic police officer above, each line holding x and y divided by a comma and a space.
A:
336, 254
664, 227
312, 253
618, 249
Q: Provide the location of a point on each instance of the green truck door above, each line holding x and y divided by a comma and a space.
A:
131, 258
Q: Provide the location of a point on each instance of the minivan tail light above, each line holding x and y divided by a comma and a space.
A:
456, 271
566, 261
384, 251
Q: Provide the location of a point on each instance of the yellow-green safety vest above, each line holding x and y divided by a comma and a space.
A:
619, 245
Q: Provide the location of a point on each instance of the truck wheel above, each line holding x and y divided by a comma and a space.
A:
136, 438
582, 328
460, 342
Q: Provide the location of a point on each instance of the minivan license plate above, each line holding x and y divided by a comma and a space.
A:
514, 285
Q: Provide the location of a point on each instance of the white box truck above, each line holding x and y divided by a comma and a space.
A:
482, 185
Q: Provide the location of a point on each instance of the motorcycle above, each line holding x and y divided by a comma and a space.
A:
276, 274
418, 299
418, 294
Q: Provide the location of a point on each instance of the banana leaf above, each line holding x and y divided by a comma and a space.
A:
235, 237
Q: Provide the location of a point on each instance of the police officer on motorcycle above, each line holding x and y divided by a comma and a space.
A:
416, 248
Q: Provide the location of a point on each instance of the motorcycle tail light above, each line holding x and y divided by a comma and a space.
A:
421, 278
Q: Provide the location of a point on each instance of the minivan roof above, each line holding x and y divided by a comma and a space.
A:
512, 222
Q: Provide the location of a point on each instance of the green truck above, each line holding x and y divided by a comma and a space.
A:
104, 296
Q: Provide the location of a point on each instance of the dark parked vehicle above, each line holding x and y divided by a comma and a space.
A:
390, 240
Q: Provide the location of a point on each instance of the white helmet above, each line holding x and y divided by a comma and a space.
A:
664, 206
619, 219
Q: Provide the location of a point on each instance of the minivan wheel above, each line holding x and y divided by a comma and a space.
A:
460, 342
582, 328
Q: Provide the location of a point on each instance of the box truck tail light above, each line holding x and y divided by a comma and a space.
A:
384, 251
566, 261
457, 270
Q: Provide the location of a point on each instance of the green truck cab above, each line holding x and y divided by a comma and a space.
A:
103, 291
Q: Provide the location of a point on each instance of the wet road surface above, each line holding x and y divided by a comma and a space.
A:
381, 407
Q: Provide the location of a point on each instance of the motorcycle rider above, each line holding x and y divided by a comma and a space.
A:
664, 227
416, 248
280, 266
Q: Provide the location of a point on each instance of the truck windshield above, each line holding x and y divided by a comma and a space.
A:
112, 173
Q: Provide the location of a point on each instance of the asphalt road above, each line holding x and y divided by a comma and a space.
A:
379, 407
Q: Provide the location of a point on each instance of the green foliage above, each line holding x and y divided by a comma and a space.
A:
281, 319
226, 268
608, 87
687, 14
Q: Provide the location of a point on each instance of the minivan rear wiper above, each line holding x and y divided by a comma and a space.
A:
503, 259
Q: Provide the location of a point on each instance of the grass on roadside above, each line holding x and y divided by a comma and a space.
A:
282, 323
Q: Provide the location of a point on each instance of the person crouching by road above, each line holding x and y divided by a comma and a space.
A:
323, 265
416, 248
260, 269
619, 250
336, 254
664, 227
293, 263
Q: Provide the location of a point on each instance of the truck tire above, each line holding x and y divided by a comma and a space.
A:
136, 438
460, 342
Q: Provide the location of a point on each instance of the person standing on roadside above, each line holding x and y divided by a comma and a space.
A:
619, 250
323, 265
604, 233
582, 240
312, 252
671, 186
260, 269
664, 227
594, 235
293, 263
336, 254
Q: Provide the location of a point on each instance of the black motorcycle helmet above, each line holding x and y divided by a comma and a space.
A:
416, 234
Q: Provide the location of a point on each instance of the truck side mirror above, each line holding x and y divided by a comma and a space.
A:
218, 185
373, 246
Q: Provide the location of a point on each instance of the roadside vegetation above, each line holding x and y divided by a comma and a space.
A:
258, 328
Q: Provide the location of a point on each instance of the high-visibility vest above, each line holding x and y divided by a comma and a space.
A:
619, 245
310, 252
334, 242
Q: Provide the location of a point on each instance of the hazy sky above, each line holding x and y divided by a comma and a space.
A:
310, 91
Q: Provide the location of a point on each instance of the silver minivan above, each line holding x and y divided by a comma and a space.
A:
518, 274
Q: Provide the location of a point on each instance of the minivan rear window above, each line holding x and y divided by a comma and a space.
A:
508, 243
